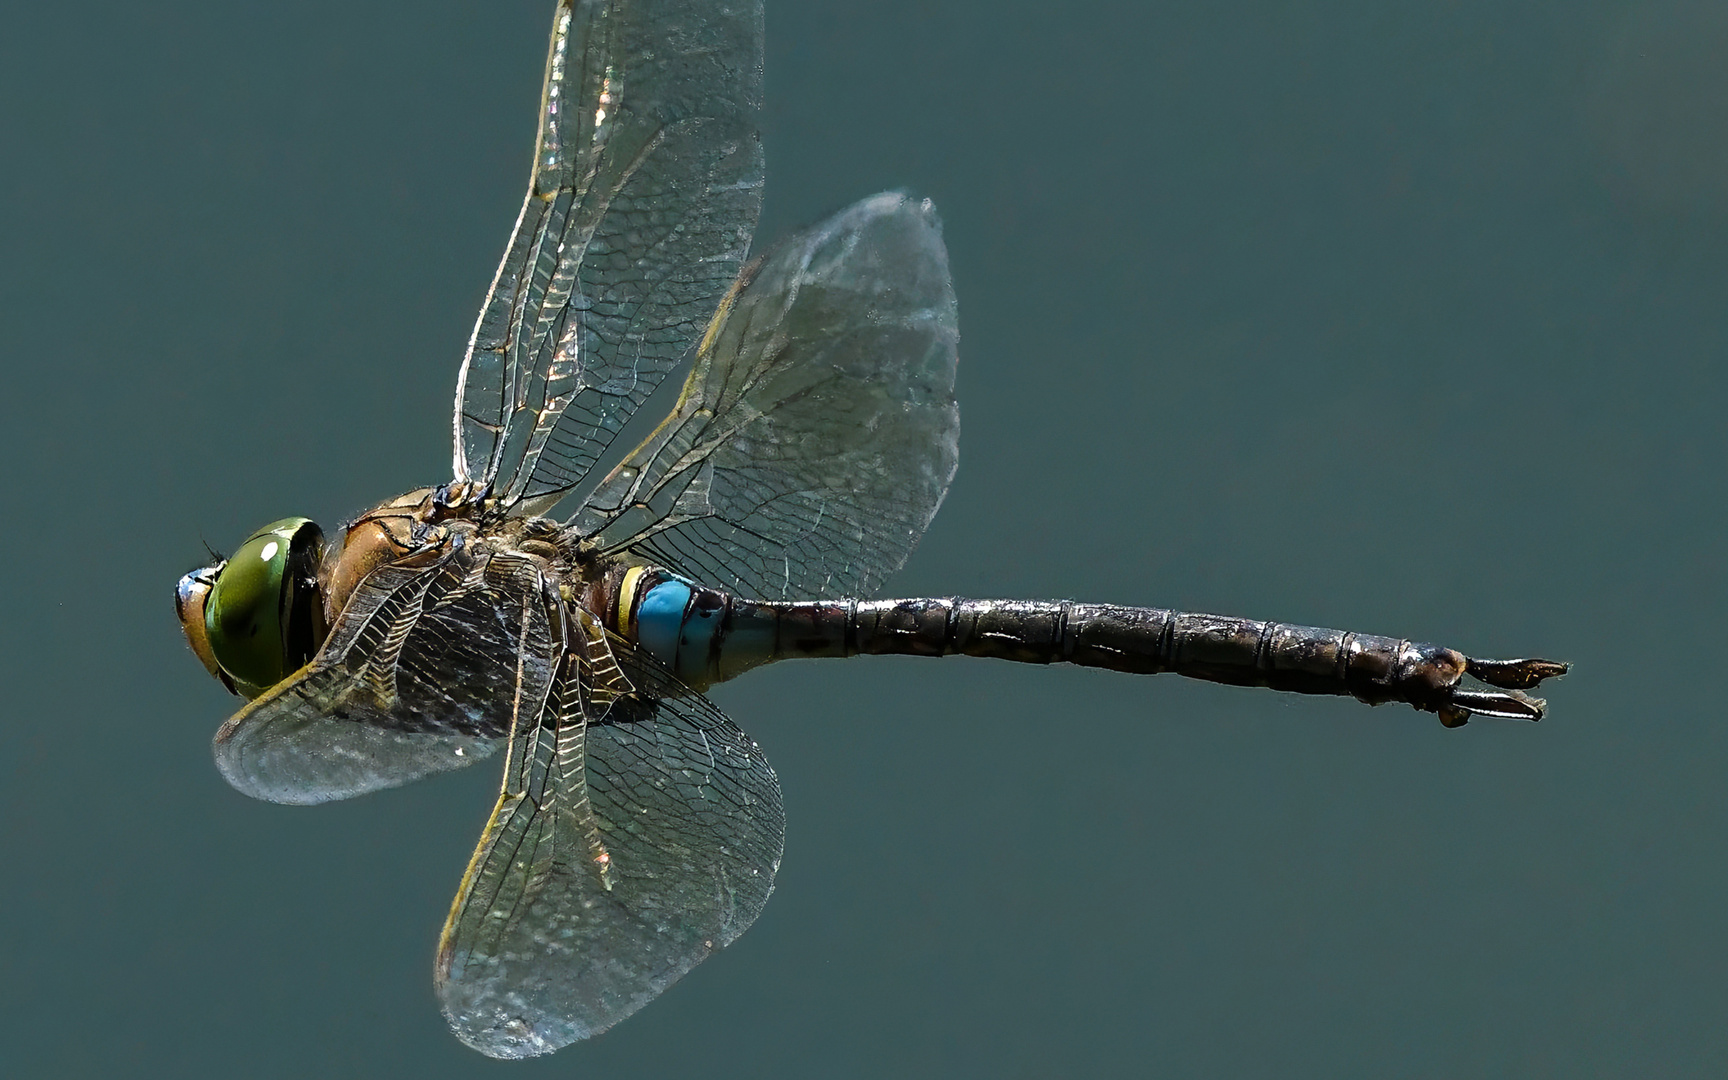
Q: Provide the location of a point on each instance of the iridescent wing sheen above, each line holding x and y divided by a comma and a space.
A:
424, 671
638, 831
817, 432
646, 186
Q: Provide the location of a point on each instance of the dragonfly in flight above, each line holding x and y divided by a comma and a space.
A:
567, 616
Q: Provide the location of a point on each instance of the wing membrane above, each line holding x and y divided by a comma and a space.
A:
422, 673
638, 831
646, 186
817, 432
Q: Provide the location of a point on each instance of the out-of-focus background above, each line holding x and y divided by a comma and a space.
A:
1409, 319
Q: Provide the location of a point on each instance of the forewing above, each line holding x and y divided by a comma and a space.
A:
638, 831
646, 186
422, 673
817, 432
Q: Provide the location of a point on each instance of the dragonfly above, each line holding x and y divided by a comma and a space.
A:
563, 604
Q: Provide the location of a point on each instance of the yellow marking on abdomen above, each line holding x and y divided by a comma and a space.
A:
627, 597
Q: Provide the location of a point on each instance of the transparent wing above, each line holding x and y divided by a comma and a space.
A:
817, 432
646, 186
423, 672
638, 831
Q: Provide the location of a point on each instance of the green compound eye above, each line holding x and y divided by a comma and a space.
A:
264, 617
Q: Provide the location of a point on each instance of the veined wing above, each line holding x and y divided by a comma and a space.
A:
817, 432
638, 831
423, 672
646, 186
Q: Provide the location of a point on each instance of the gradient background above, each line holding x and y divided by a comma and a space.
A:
1403, 318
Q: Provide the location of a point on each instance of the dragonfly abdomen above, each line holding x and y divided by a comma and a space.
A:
1243, 652
707, 636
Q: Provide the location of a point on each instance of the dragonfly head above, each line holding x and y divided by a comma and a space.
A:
257, 617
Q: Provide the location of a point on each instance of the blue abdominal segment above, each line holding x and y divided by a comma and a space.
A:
703, 635
660, 620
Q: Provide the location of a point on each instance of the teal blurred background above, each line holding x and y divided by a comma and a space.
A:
1409, 319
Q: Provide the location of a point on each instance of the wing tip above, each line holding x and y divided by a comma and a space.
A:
898, 202
513, 1035
233, 762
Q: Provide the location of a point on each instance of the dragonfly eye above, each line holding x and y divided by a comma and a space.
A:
262, 615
